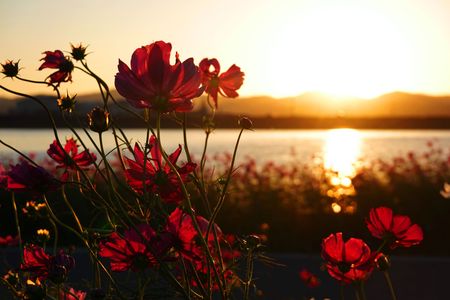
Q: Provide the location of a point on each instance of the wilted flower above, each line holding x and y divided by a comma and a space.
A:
396, 230
152, 82
78, 52
347, 261
131, 251
10, 68
69, 158
42, 265
66, 103
98, 120
57, 60
25, 177
308, 278
157, 177
72, 294
226, 83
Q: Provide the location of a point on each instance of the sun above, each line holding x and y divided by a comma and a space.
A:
339, 51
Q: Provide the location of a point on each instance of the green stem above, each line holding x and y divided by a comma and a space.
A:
190, 208
55, 237
388, 279
16, 218
341, 292
249, 275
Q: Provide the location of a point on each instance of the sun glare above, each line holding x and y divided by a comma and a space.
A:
341, 52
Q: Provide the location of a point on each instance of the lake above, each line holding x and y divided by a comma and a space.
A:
338, 147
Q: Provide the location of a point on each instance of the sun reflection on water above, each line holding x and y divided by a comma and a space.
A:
342, 150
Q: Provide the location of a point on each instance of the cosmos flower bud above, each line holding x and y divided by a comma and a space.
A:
245, 123
66, 103
78, 52
10, 69
98, 120
383, 262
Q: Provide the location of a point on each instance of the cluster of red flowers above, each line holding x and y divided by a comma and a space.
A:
170, 231
352, 260
152, 82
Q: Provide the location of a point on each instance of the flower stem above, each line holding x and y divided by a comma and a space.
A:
387, 277
16, 217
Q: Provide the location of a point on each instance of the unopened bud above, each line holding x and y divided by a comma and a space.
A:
245, 123
78, 52
10, 68
98, 120
66, 103
383, 262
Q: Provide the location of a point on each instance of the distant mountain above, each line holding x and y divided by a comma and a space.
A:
394, 105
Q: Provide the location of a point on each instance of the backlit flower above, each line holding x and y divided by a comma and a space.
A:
396, 230
43, 266
347, 261
226, 83
57, 60
157, 176
69, 158
152, 82
131, 251
25, 177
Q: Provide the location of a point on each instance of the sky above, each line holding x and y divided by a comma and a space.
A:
286, 48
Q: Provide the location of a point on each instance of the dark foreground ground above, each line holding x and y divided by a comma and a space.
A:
414, 278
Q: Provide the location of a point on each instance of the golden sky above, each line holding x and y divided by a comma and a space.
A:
341, 47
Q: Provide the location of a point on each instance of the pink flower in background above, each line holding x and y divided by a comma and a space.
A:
9, 240
308, 278
57, 60
396, 230
152, 82
72, 294
226, 83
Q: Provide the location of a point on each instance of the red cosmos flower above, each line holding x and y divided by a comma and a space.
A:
57, 60
311, 280
396, 230
9, 241
42, 265
25, 177
131, 251
70, 160
72, 294
157, 177
347, 261
182, 234
152, 82
226, 83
